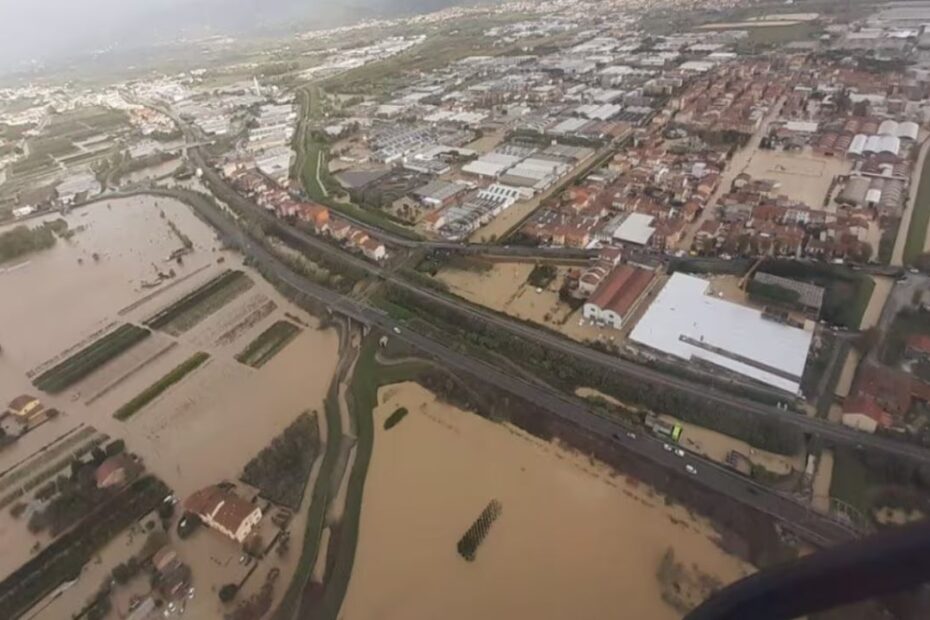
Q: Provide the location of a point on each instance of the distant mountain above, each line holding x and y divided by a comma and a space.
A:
52, 31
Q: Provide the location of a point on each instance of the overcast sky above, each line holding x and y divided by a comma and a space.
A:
47, 30
41, 29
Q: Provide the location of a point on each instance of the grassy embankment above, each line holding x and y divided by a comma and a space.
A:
159, 387
267, 344
920, 218
368, 377
90, 358
201, 303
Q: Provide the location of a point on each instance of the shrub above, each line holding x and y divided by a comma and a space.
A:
228, 592
395, 418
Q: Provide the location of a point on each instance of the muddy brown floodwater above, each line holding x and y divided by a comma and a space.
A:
202, 430
573, 541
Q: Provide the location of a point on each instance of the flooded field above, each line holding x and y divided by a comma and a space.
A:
573, 539
200, 431
504, 287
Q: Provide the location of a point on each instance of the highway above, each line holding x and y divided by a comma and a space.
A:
798, 517
828, 431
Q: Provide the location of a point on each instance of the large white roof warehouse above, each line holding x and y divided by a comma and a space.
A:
686, 322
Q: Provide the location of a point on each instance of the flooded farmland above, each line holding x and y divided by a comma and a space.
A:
117, 269
573, 540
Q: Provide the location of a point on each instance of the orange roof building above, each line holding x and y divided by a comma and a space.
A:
224, 511
617, 296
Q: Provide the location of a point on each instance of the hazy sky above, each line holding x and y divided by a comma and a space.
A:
54, 30
50, 29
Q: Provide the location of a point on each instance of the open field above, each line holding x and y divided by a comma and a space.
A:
196, 306
267, 344
805, 177
157, 388
85, 361
447, 464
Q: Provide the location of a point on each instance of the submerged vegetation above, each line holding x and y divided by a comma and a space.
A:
23, 240
267, 344
468, 544
156, 389
88, 359
394, 419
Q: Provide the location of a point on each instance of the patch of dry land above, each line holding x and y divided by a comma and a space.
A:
202, 429
573, 539
803, 176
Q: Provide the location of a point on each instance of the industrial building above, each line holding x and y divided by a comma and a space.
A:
636, 229
617, 296
687, 323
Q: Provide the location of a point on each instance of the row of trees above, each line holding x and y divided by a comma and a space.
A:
280, 470
470, 541
23, 240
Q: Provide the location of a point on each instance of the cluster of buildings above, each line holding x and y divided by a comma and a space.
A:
269, 141
646, 197
273, 197
733, 98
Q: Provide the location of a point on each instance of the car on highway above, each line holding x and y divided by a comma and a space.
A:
691, 470
631, 434
679, 452
396, 330
666, 447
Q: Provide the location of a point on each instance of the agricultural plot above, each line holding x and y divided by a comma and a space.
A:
196, 306
267, 344
156, 389
90, 358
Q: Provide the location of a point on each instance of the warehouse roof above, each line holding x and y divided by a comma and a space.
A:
685, 322
636, 228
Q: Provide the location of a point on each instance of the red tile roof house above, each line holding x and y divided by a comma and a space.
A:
883, 395
115, 471
617, 295
918, 347
224, 511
